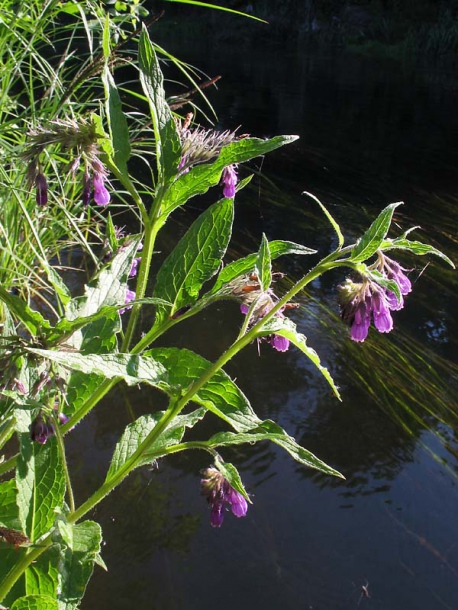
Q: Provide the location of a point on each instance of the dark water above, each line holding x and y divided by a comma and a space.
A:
372, 132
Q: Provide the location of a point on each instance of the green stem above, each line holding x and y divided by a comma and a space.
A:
142, 283
61, 447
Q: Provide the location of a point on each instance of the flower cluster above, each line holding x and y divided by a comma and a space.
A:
248, 291
200, 145
365, 300
80, 138
42, 426
219, 492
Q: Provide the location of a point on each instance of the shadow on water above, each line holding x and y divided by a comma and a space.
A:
370, 134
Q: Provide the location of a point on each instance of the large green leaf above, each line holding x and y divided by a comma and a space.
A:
168, 146
42, 576
270, 431
416, 247
372, 239
201, 177
132, 368
35, 602
219, 395
99, 337
40, 484
9, 516
137, 432
195, 259
117, 123
81, 549
109, 287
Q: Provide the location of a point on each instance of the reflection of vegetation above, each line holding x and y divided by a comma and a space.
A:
145, 520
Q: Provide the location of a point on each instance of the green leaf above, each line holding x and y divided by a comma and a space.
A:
9, 515
195, 259
57, 283
40, 483
220, 394
219, 8
82, 548
109, 288
247, 264
382, 280
137, 432
286, 328
331, 219
168, 145
264, 265
42, 576
67, 327
270, 431
32, 320
98, 337
117, 123
416, 247
132, 368
230, 472
373, 238
111, 234
35, 602
201, 177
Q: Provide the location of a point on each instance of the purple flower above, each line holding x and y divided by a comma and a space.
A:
63, 419
42, 189
130, 296
361, 322
41, 429
101, 195
217, 515
383, 321
229, 179
394, 271
264, 302
281, 344
239, 505
393, 302
134, 269
219, 492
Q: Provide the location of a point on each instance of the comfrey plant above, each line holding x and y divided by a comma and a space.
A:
55, 372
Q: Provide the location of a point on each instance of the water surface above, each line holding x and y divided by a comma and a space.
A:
372, 132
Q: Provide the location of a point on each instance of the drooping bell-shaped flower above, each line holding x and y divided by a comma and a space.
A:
41, 428
281, 344
229, 179
394, 271
219, 492
383, 321
239, 505
361, 322
101, 195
